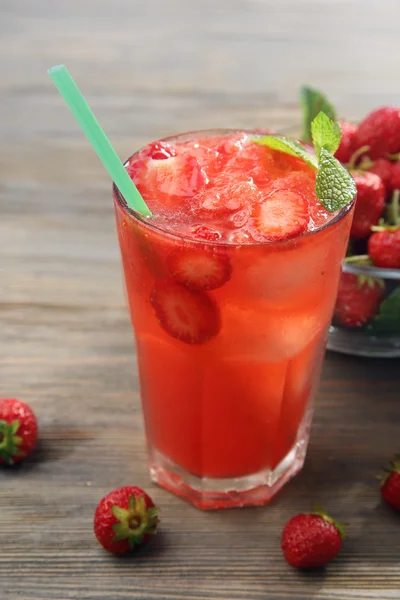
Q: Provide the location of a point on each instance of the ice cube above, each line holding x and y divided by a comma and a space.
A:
268, 335
300, 274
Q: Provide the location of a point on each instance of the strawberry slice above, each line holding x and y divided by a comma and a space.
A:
282, 215
158, 150
200, 269
205, 233
168, 181
186, 315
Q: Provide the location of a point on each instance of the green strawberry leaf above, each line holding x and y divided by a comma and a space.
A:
325, 134
313, 102
388, 319
6, 457
120, 513
284, 144
14, 426
335, 186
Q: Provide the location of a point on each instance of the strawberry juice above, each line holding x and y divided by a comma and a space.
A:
231, 285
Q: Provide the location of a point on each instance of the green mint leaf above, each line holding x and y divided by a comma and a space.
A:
313, 102
335, 186
388, 319
325, 134
284, 144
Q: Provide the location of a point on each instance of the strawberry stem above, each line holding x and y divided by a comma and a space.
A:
394, 467
341, 527
356, 155
9, 441
393, 209
363, 260
134, 522
366, 163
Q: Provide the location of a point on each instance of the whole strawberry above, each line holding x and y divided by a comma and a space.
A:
345, 150
358, 300
395, 176
383, 168
390, 488
311, 540
125, 519
18, 431
370, 203
380, 132
384, 248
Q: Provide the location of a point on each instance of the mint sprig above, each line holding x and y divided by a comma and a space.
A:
335, 187
285, 144
325, 134
312, 103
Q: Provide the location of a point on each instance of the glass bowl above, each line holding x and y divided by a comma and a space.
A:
379, 335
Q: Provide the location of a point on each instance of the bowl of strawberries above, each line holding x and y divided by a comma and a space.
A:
367, 311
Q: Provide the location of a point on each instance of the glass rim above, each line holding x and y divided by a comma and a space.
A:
371, 271
146, 221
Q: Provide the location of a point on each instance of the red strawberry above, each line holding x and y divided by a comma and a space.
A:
18, 430
390, 488
384, 248
380, 131
358, 300
395, 176
383, 168
189, 316
282, 215
370, 203
125, 519
205, 233
158, 151
200, 269
168, 181
311, 540
345, 150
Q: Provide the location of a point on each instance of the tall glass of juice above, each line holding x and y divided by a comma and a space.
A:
231, 286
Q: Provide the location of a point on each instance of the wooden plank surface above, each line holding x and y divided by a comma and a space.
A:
149, 69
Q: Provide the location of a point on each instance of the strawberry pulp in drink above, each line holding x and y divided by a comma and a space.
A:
231, 285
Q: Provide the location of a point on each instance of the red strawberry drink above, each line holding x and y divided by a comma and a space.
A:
231, 285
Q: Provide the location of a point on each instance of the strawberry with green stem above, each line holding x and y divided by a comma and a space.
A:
370, 203
390, 486
380, 131
384, 243
18, 431
358, 298
125, 519
381, 167
311, 540
395, 175
345, 150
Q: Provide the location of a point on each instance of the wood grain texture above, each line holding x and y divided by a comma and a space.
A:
150, 69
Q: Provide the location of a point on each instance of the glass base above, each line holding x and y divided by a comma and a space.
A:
358, 343
208, 493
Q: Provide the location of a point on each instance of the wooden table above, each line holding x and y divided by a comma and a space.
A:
149, 69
